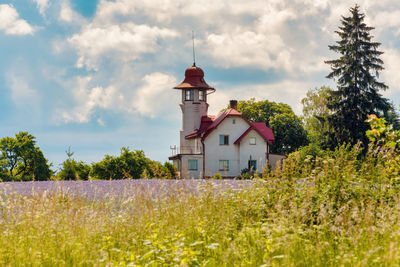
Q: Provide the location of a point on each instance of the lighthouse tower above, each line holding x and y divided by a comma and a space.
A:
194, 106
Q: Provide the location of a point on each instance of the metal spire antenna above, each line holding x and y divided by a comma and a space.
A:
194, 55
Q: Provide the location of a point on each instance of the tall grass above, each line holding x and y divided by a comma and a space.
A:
342, 209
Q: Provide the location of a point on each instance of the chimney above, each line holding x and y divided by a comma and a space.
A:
233, 104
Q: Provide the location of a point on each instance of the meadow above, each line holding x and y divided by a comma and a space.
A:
339, 210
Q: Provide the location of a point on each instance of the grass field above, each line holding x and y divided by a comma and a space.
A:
335, 211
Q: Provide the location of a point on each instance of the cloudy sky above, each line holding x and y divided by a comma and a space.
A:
97, 75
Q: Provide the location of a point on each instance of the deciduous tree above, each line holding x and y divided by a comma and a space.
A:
315, 115
22, 159
288, 128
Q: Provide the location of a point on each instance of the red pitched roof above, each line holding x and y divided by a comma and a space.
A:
209, 123
206, 121
221, 117
194, 78
261, 128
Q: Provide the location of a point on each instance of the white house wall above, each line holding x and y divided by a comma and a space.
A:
257, 151
191, 173
214, 152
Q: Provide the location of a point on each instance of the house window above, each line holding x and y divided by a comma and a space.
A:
189, 94
224, 139
178, 165
202, 96
252, 165
252, 141
224, 165
233, 121
192, 164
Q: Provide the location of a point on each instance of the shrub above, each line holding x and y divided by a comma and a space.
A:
74, 170
217, 176
245, 174
133, 165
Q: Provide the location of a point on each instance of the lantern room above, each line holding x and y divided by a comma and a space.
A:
194, 87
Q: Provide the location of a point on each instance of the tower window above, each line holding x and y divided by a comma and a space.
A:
189, 94
252, 141
202, 95
224, 139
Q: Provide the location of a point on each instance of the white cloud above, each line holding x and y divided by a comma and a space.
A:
258, 34
153, 97
249, 49
385, 20
274, 21
21, 93
10, 22
141, 41
123, 42
67, 14
391, 76
289, 92
106, 10
42, 5
101, 122
90, 99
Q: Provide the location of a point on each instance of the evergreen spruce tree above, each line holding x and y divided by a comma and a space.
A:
357, 73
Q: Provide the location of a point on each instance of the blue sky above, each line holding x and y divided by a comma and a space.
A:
97, 75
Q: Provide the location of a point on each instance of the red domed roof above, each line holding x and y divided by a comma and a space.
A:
194, 78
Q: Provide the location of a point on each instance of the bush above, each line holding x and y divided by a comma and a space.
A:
133, 165
171, 170
155, 169
245, 174
217, 176
74, 170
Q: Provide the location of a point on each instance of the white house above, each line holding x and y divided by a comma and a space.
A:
227, 143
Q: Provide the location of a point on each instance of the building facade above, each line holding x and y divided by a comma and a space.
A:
227, 143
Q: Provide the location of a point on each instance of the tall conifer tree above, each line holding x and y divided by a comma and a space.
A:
357, 73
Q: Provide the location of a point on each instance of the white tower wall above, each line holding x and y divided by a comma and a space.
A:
192, 111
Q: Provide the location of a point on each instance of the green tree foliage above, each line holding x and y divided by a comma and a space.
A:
357, 70
382, 133
315, 114
170, 169
158, 170
3, 170
131, 164
385, 147
392, 117
288, 129
72, 169
21, 159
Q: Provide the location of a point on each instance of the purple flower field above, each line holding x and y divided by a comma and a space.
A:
116, 188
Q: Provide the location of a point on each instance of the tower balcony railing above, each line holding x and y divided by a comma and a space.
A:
190, 150
186, 150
